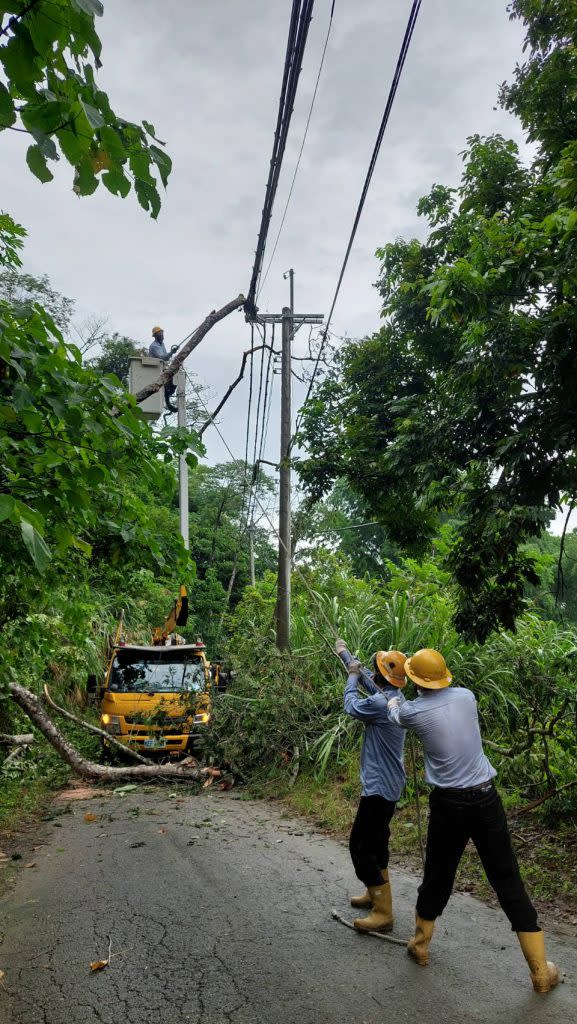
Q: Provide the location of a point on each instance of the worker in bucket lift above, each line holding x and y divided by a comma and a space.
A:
158, 351
382, 777
464, 804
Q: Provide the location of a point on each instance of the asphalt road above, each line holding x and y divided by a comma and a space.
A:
219, 911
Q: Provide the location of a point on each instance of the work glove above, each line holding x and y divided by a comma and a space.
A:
174, 349
354, 667
340, 646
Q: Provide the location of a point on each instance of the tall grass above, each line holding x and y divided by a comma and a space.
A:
520, 679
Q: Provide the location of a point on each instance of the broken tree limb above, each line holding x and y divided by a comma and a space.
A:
94, 728
235, 383
22, 740
31, 705
193, 341
541, 800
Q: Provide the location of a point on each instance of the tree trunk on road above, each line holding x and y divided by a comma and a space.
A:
94, 728
30, 704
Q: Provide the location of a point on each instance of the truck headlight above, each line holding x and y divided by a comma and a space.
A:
202, 718
112, 724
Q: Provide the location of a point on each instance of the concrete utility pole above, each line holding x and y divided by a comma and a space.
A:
251, 539
290, 322
182, 463
283, 613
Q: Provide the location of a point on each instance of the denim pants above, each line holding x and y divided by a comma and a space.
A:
478, 814
369, 839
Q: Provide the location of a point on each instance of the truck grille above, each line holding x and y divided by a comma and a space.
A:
171, 724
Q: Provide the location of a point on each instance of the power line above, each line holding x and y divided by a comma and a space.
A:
415, 8
296, 170
301, 15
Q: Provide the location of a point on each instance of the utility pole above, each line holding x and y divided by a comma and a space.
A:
182, 463
251, 540
290, 322
283, 612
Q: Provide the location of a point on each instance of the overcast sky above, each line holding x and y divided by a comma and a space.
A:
207, 73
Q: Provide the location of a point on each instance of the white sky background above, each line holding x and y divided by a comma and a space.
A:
207, 73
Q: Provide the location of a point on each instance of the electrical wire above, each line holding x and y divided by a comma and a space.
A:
412, 20
296, 170
301, 15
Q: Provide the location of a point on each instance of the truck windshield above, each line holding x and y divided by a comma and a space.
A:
135, 672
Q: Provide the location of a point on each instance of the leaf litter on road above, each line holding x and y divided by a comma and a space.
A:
99, 965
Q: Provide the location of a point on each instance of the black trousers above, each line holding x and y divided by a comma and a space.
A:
457, 816
369, 839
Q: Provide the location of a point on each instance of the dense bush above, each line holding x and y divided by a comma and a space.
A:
525, 682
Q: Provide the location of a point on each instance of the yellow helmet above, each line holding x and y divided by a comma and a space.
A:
428, 668
391, 665
157, 330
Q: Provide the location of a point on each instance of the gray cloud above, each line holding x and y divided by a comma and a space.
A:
207, 73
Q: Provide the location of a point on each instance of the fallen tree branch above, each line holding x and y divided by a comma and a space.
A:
22, 740
541, 800
376, 935
94, 728
548, 730
14, 755
193, 341
30, 704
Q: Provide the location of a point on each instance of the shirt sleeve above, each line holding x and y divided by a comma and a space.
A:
364, 709
400, 711
365, 676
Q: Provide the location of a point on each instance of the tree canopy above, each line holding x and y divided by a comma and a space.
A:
49, 58
463, 403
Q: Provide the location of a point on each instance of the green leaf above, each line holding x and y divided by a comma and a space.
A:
45, 30
82, 545
116, 182
19, 59
94, 117
7, 505
92, 7
37, 164
36, 545
163, 162
7, 112
85, 181
29, 515
112, 143
44, 117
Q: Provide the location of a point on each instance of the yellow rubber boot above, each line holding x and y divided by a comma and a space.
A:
418, 946
544, 974
363, 902
381, 918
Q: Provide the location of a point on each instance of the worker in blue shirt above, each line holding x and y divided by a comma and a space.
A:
464, 804
158, 350
382, 778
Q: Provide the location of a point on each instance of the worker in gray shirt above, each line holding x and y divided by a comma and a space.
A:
158, 350
382, 779
464, 804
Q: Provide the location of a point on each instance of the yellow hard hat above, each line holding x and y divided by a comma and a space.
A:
391, 665
158, 330
428, 668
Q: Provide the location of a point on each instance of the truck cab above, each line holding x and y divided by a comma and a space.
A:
158, 698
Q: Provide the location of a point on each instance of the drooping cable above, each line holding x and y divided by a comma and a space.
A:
301, 15
414, 13
297, 166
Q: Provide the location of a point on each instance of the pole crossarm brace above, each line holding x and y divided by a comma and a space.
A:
299, 319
